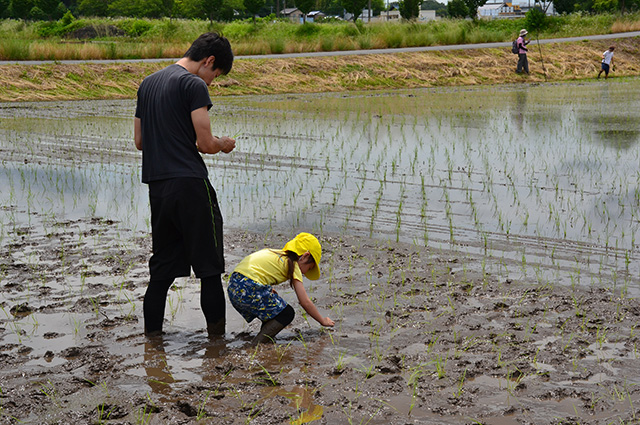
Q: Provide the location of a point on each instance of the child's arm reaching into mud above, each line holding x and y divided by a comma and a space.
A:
308, 305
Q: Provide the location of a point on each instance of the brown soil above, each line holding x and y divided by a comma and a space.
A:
421, 337
556, 62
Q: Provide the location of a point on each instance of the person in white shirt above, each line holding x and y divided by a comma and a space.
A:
607, 62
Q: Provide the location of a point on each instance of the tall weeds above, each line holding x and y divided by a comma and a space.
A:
145, 38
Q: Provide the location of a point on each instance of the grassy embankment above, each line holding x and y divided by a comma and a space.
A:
558, 62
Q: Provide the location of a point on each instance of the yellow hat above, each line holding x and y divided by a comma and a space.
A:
302, 243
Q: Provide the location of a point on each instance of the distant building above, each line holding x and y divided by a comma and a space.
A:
293, 14
499, 10
394, 15
313, 16
427, 15
507, 10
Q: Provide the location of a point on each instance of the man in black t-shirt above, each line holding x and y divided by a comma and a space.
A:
172, 128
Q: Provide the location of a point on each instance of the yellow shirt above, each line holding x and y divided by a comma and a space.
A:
268, 267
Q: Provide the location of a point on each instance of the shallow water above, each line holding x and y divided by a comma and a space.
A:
536, 182
543, 177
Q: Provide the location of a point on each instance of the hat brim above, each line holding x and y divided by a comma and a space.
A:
313, 274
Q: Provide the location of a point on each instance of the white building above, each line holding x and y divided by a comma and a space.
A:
499, 10
394, 15
504, 10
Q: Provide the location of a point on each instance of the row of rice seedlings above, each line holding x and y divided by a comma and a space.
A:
388, 180
457, 154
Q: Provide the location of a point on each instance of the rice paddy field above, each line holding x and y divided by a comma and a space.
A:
480, 260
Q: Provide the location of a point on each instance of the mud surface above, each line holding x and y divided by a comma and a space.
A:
421, 337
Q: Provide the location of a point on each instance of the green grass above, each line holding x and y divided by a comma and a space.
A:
147, 38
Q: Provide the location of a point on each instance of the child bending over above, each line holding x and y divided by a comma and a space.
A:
251, 285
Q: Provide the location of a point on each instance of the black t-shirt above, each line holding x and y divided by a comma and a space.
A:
165, 101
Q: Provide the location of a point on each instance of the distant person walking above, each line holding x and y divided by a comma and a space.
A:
172, 128
607, 62
523, 62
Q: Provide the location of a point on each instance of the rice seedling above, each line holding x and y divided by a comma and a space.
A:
104, 413
49, 390
413, 383
439, 363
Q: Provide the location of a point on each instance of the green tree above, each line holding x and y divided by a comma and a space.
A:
535, 20
630, 5
583, 5
305, 6
189, 9
137, 8
457, 9
354, 7
20, 9
168, 8
472, 7
330, 7
409, 9
604, 6
4, 8
564, 6
440, 8
93, 8
61, 9
49, 9
378, 6
253, 7
36, 14
212, 9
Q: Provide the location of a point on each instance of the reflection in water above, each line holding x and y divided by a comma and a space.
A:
519, 108
620, 139
216, 348
168, 362
302, 400
156, 366
612, 123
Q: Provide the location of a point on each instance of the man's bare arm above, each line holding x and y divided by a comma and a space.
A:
137, 133
208, 143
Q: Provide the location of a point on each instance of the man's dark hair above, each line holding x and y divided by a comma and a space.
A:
212, 44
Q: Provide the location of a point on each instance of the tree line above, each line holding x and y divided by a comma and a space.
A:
220, 10
227, 10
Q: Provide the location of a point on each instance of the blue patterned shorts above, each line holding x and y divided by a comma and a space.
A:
253, 299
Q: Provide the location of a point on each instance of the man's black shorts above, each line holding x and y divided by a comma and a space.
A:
186, 227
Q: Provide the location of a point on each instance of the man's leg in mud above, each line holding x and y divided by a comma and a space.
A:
213, 304
153, 306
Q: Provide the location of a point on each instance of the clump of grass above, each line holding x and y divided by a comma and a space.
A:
15, 49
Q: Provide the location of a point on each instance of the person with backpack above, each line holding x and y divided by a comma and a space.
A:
521, 47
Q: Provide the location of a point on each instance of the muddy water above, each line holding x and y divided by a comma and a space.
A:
541, 178
481, 260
